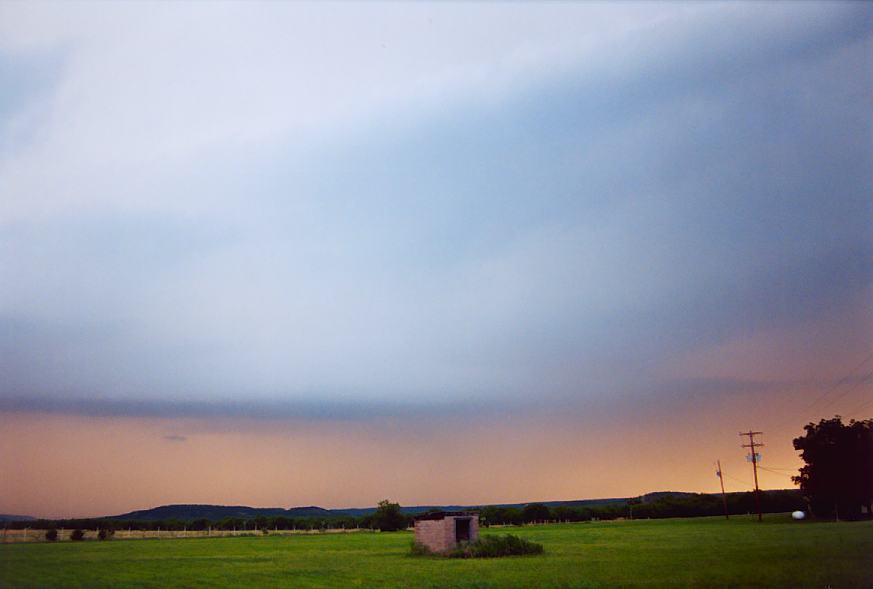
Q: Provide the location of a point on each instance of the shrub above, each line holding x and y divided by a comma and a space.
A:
485, 547
105, 534
495, 546
419, 549
77, 535
265, 531
51, 535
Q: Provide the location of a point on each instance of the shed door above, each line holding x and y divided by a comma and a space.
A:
462, 530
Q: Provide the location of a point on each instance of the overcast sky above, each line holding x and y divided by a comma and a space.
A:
347, 213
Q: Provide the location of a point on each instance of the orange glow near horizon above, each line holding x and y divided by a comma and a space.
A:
62, 466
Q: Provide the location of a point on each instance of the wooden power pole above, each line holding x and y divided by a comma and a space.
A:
723, 496
752, 445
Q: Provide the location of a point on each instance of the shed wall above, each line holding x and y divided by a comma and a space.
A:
431, 533
438, 535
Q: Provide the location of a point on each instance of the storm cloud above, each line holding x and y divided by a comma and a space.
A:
279, 211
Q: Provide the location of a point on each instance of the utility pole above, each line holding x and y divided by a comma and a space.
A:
723, 496
752, 445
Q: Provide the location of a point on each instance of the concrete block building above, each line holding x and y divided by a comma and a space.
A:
442, 531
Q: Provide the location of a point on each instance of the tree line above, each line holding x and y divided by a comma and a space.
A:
685, 505
389, 516
386, 517
255, 524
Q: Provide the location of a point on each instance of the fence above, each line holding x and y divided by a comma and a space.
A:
37, 535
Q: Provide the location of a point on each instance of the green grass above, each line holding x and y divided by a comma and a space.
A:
704, 552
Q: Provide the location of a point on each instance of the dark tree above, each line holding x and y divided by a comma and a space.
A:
536, 512
199, 524
493, 514
105, 533
564, 513
631, 503
51, 535
388, 518
78, 535
838, 475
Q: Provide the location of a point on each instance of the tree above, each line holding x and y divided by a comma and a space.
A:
536, 512
388, 517
199, 524
838, 475
78, 535
105, 533
630, 505
51, 535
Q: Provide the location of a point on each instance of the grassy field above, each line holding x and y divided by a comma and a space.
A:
705, 552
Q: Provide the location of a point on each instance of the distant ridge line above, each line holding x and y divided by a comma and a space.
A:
192, 511
184, 511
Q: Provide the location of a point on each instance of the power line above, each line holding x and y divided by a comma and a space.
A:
745, 483
778, 467
835, 386
775, 471
866, 404
852, 389
863, 407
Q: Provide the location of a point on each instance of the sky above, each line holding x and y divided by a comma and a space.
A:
282, 254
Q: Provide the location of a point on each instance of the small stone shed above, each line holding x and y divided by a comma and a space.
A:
442, 531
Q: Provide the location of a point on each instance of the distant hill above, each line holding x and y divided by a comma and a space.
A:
5, 517
217, 512
649, 497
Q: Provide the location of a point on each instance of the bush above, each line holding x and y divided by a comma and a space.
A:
105, 534
51, 535
77, 535
486, 547
265, 531
496, 546
419, 549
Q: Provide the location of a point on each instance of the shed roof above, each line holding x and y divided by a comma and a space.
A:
444, 514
